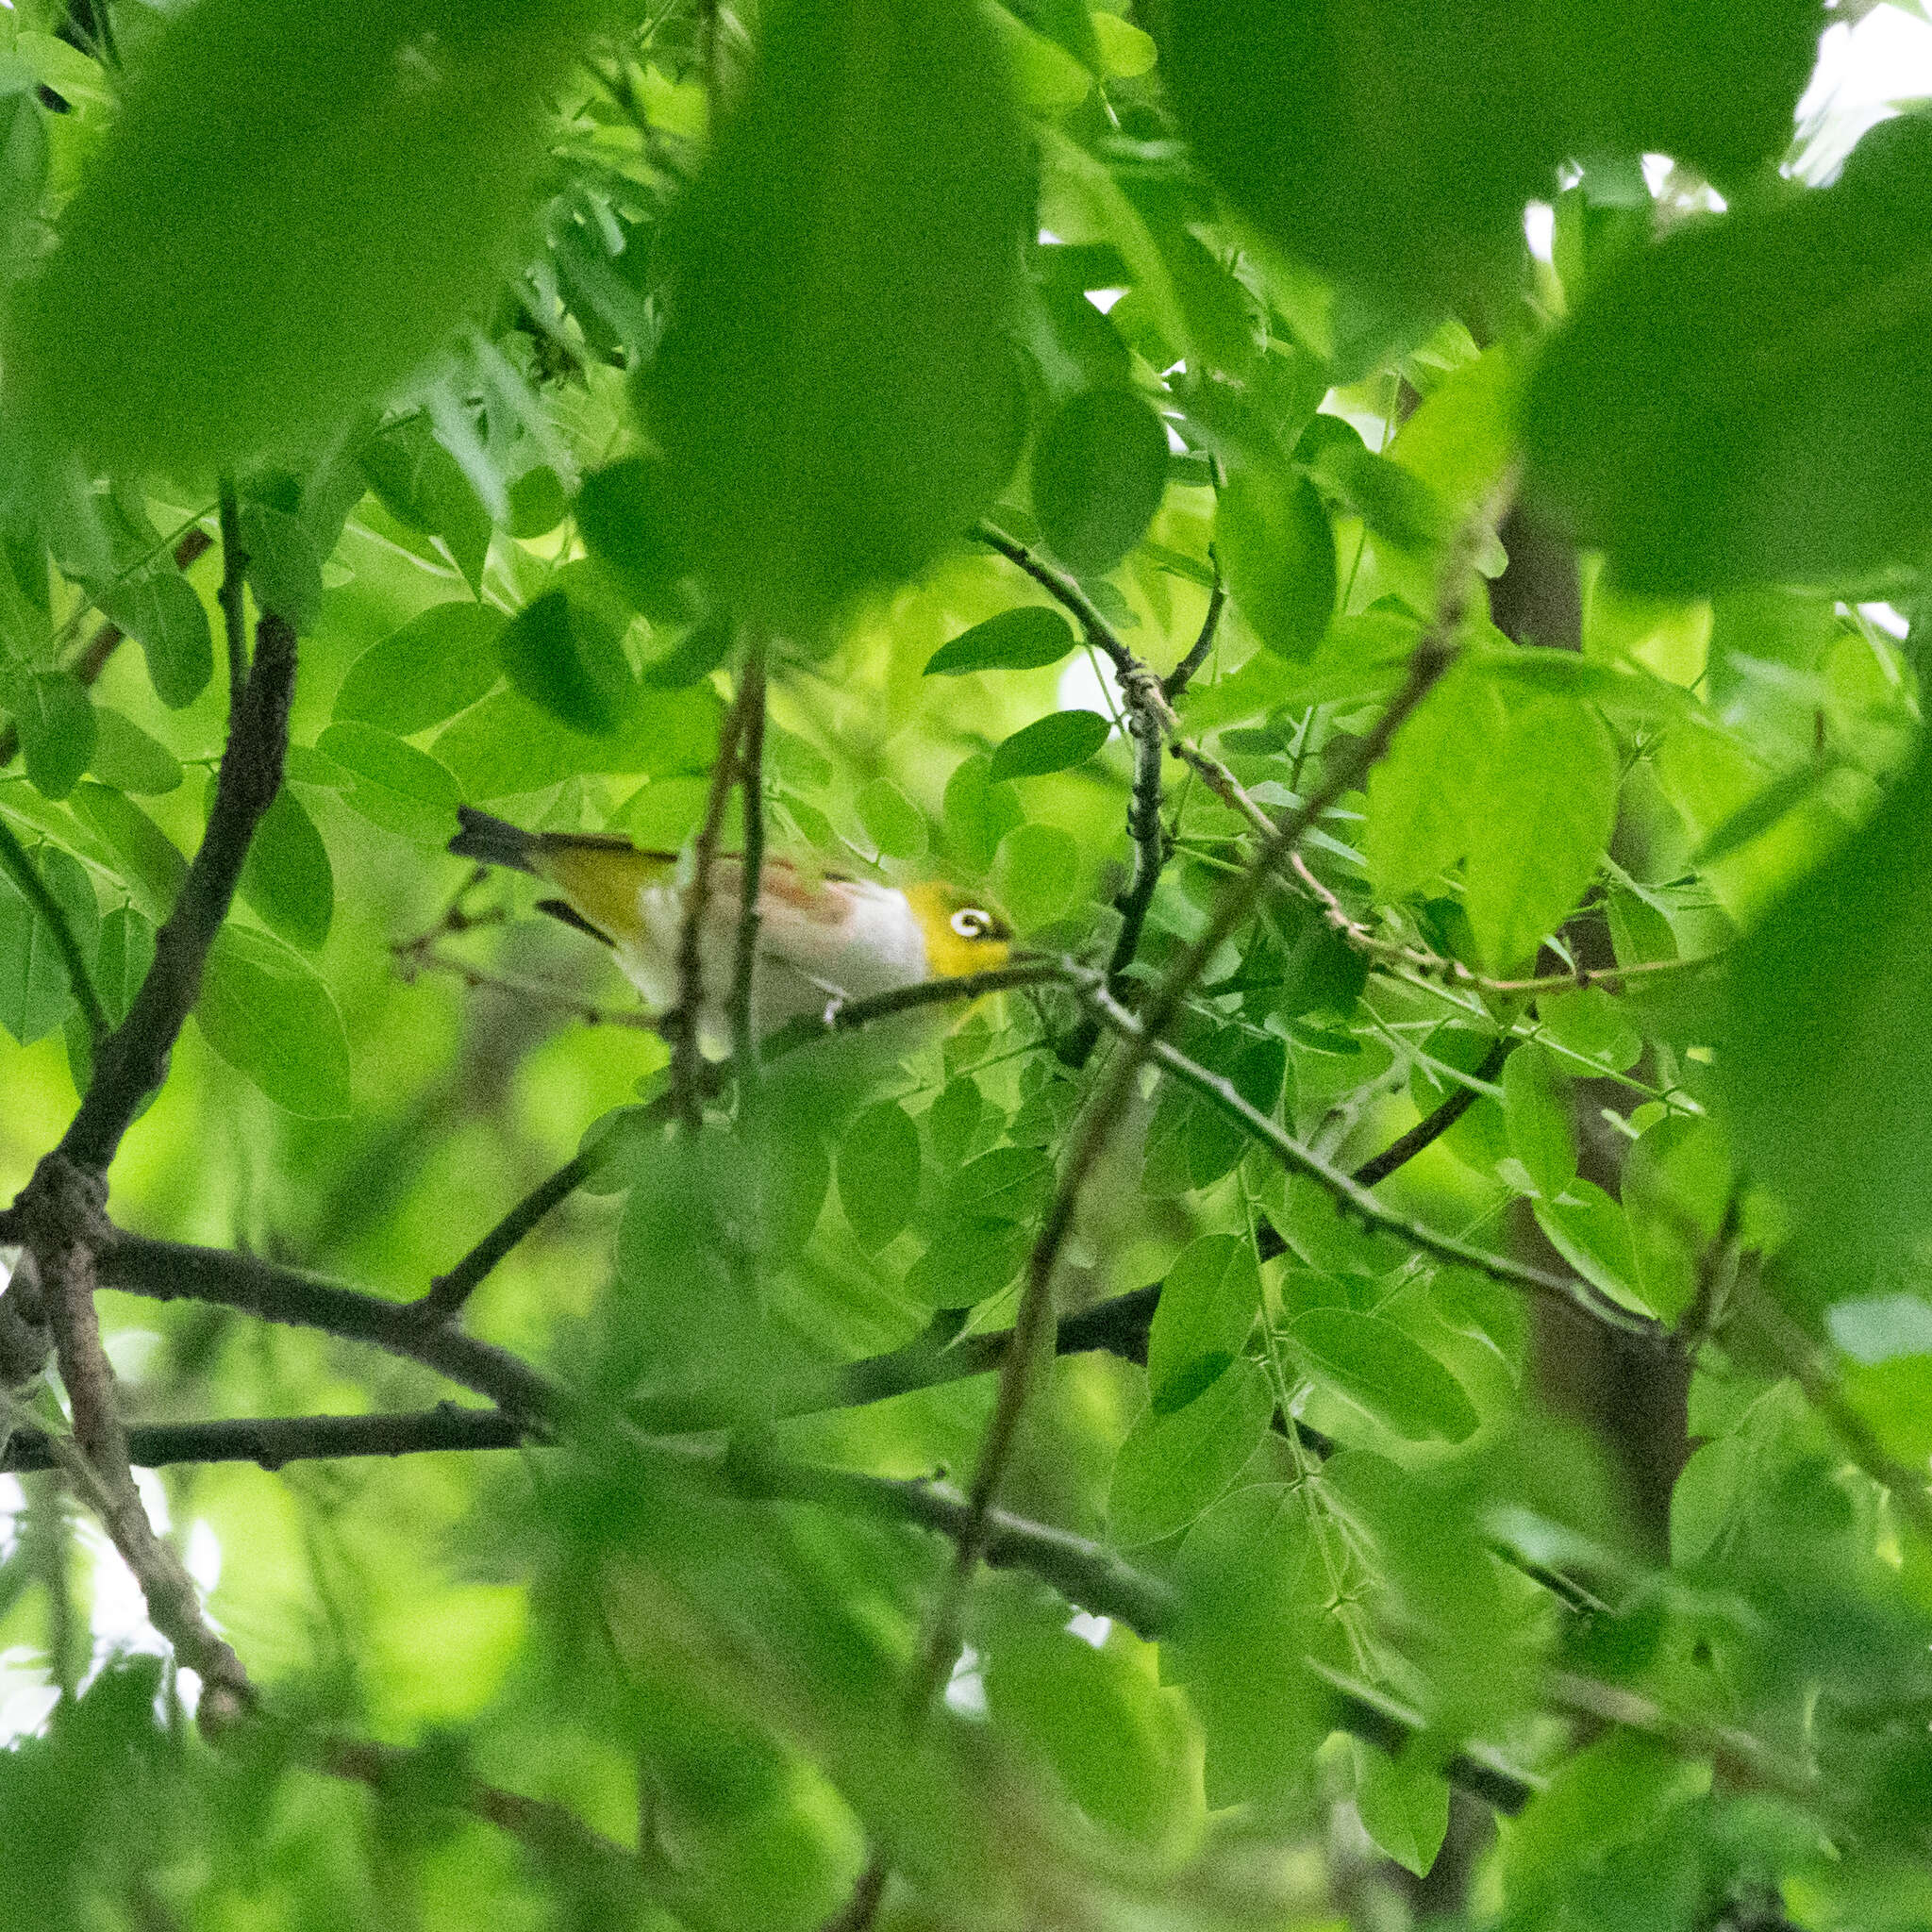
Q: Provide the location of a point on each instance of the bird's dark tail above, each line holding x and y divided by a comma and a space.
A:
493, 841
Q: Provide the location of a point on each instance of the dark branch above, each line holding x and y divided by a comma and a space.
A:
134, 1058
234, 574
273, 1441
169, 1271
448, 1292
1433, 1126
751, 776
1177, 680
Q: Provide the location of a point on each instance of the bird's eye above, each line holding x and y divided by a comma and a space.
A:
970, 923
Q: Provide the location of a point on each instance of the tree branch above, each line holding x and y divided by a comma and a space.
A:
1177, 680
683, 1022
234, 575
171, 1270
1434, 1124
272, 1442
133, 1059
62, 1209
751, 872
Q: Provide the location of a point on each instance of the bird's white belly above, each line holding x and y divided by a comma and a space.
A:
865, 940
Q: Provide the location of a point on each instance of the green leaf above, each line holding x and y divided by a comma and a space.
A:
150, 863
272, 1018
55, 720
879, 1173
1589, 1230
1404, 1807
1425, 797
896, 825
284, 571
1253, 1596
161, 611
632, 520
1373, 1362
1111, 1737
404, 790
1171, 1467
1272, 536
438, 663
34, 991
976, 813
1676, 1187
1827, 1060
1020, 640
559, 655
1554, 768
287, 879
1746, 403
694, 657
1207, 1309
1536, 1107
127, 758
1099, 473
969, 1263
273, 231
833, 388
1053, 743
1395, 151
1036, 872
127, 951
505, 744
537, 504
1008, 1184
417, 480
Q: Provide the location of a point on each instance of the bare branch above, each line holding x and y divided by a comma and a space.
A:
683, 1022
133, 1059
751, 771
273, 1443
1177, 680
61, 1206
234, 576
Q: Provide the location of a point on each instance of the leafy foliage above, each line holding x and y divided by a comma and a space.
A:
1376, 1371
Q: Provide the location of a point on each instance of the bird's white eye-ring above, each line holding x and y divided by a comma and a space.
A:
970, 923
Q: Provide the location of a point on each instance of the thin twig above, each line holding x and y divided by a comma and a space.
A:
1453, 972
684, 1021
234, 575
1064, 592
133, 1059
1222, 1093
751, 771
421, 957
1434, 1124
21, 869
1034, 1321
1177, 680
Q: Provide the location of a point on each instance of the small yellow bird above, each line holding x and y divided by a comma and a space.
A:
820, 940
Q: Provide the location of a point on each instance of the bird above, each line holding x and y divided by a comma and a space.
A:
824, 940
